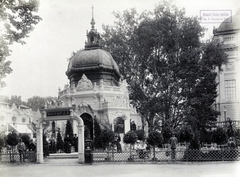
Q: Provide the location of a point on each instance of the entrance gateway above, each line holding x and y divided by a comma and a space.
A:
60, 113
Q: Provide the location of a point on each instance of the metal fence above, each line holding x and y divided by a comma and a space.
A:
159, 155
164, 155
13, 157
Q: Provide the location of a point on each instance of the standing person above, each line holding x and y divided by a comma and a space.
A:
118, 140
133, 126
21, 150
173, 144
31, 146
75, 140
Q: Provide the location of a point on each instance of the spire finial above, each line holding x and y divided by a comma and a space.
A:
92, 22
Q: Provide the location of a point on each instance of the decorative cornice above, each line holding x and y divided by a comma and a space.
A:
84, 84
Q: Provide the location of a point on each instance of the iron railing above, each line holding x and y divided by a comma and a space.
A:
159, 155
163, 155
13, 157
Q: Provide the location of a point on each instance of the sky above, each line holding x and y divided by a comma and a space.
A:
39, 66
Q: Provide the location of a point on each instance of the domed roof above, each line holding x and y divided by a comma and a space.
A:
231, 23
94, 62
92, 59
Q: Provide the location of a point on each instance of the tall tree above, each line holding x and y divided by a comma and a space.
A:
60, 143
69, 131
17, 19
166, 66
36, 102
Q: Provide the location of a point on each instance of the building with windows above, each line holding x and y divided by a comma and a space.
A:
228, 100
16, 118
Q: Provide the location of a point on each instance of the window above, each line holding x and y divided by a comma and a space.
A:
230, 90
23, 120
14, 119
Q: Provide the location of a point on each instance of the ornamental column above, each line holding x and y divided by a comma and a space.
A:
80, 143
39, 145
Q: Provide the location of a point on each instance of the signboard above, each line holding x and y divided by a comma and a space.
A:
58, 113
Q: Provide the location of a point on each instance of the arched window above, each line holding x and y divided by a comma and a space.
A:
23, 120
119, 125
14, 119
92, 39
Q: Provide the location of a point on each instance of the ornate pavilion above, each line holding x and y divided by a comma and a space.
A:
96, 87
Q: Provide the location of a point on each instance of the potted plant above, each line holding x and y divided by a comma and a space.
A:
130, 138
154, 139
107, 136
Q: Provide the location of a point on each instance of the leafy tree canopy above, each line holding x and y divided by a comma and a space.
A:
35, 102
171, 74
17, 20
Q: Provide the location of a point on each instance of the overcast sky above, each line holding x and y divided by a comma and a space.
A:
39, 66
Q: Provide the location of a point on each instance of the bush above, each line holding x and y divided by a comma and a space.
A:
195, 143
166, 133
220, 136
186, 134
155, 138
60, 143
130, 137
107, 136
97, 131
2, 142
12, 139
26, 139
140, 134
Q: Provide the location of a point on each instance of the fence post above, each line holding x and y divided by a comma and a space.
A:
112, 155
222, 156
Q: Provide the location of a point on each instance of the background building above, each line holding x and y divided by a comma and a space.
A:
16, 118
228, 100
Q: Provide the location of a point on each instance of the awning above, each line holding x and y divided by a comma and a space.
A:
21, 128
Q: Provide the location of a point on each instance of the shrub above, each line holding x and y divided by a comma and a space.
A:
130, 137
107, 136
2, 142
12, 139
186, 134
155, 138
195, 143
219, 136
26, 139
166, 133
60, 143
97, 132
140, 134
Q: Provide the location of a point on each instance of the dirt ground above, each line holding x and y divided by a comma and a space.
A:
69, 167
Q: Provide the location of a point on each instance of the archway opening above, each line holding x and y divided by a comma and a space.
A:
119, 125
88, 125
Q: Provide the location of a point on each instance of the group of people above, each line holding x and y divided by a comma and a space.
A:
116, 143
143, 148
22, 148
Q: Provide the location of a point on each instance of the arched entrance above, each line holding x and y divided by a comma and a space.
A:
88, 124
119, 125
54, 114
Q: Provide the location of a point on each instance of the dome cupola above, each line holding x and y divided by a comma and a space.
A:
96, 63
